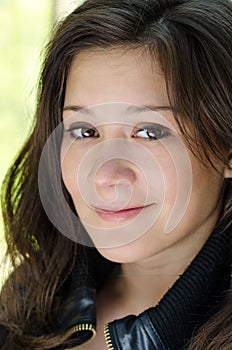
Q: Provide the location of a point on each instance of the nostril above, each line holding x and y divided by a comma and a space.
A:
113, 173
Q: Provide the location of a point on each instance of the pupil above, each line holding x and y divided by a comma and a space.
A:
152, 133
88, 132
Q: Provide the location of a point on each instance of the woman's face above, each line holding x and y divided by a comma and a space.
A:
136, 188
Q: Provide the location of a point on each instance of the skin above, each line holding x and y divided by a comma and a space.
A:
151, 263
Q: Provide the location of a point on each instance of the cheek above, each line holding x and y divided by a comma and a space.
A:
207, 185
178, 172
69, 170
170, 179
176, 168
171, 184
204, 201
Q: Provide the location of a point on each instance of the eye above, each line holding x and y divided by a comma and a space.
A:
82, 131
152, 132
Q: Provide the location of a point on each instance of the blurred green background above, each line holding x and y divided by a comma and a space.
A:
25, 28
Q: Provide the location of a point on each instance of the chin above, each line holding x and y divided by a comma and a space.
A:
122, 254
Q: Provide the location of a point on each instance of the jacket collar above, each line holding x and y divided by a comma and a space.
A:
194, 297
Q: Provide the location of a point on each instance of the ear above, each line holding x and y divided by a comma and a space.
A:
228, 167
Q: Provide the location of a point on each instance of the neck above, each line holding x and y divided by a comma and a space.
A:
142, 284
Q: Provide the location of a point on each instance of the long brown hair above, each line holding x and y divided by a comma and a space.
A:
192, 40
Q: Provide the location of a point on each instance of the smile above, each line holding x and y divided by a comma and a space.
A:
119, 215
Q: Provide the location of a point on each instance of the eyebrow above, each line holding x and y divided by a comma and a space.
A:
130, 109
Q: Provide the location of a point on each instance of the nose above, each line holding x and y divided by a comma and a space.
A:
115, 172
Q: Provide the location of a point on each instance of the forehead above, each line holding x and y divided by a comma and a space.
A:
106, 76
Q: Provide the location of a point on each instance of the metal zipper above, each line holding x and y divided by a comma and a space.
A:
107, 337
82, 327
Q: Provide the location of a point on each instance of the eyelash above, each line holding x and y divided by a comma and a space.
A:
163, 132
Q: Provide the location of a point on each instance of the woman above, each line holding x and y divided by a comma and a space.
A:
134, 116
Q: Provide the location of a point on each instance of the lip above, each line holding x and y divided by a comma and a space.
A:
119, 215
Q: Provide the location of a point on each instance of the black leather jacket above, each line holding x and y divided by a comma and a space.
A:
194, 297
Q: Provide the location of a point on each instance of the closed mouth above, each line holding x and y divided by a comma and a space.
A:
119, 215
121, 210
